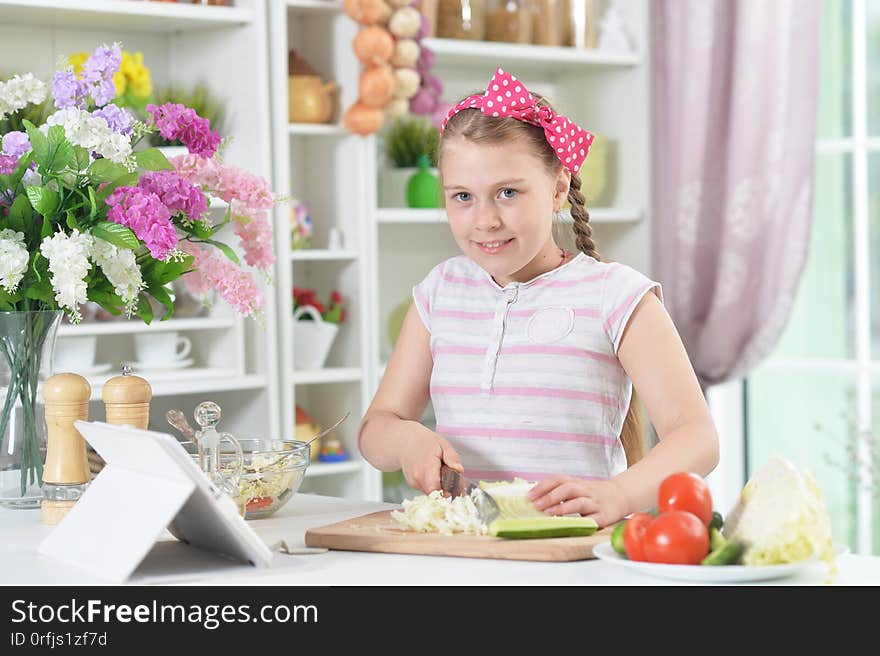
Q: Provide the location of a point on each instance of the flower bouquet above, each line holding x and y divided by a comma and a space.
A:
85, 216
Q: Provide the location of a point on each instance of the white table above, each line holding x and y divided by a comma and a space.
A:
173, 563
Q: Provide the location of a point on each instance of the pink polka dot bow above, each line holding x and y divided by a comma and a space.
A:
507, 96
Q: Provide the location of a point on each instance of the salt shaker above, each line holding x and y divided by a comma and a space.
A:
127, 400
66, 474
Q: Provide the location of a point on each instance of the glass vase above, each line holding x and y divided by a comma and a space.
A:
27, 344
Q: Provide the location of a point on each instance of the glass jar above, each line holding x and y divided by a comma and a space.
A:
510, 21
461, 19
582, 17
548, 25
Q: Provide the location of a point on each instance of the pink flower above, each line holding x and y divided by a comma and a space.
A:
256, 240
147, 217
212, 271
177, 193
179, 123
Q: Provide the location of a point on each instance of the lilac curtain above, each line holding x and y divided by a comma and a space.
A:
734, 103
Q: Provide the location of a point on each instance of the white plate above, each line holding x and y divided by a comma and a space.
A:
704, 573
159, 366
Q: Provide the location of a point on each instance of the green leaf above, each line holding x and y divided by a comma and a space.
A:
201, 231
41, 291
105, 170
44, 200
227, 250
116, 234
21, 215
161, 295
45, 229
161, 273
94, 203
127, 180
39, 142
152, 159
79, 159
71, 221
59, 152
107, 300
21, 169
144, 309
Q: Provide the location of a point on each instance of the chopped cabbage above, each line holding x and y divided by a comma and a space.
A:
781, 517
511, 498
434, 513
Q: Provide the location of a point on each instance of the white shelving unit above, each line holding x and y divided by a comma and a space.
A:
234, 358
323, 165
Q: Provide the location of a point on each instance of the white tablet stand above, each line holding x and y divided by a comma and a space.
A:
149, 483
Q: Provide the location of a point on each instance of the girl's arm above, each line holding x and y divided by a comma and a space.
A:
654, 357
391, 435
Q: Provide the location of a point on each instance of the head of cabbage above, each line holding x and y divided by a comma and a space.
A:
780, 517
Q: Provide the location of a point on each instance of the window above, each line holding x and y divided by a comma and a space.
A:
816, 399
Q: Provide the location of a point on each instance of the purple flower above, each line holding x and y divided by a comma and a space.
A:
98, 72
68, 91
179, 195
118, 119
8, 164
176, 122
147, 217
16, 144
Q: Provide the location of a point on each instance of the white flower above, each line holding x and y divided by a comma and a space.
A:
68, 257
19, 92
94, 134
121, 269
14, 259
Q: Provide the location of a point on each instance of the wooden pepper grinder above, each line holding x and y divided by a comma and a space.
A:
127, 400
66, 474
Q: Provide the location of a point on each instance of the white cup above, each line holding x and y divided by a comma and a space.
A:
75, 353
161, 347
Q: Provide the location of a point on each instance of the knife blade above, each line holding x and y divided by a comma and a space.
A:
456, 485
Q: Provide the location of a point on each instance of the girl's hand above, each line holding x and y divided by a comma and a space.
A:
421, 458
604, 501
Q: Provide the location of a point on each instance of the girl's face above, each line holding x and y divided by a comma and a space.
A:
500, 201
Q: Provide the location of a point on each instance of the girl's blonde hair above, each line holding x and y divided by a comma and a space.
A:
473, 125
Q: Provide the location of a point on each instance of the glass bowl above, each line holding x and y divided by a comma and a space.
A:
272, 472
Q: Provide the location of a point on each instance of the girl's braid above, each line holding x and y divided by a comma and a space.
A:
583, 231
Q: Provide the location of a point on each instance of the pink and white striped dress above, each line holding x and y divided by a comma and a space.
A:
526, 380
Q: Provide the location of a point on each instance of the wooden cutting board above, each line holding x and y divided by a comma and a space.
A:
379, 532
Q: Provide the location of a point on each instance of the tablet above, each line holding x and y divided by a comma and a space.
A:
150, 483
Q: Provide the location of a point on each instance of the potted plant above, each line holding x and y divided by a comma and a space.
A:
405, 140
86, 216
315, 325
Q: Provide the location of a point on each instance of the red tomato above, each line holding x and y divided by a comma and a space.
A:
633, 533
676, 537
685, 491
258, 502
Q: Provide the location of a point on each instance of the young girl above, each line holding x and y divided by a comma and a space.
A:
528, 351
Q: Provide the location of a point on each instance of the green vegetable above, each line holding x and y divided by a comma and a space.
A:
511, 498
727, 553
543, 527
780, 517
716, 539
717, 521
617, 538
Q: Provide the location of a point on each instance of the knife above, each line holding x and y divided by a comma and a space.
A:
455, 485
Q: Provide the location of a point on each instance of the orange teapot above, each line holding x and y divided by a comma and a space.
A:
309, 99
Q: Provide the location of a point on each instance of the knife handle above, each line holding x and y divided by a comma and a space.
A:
450, 480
